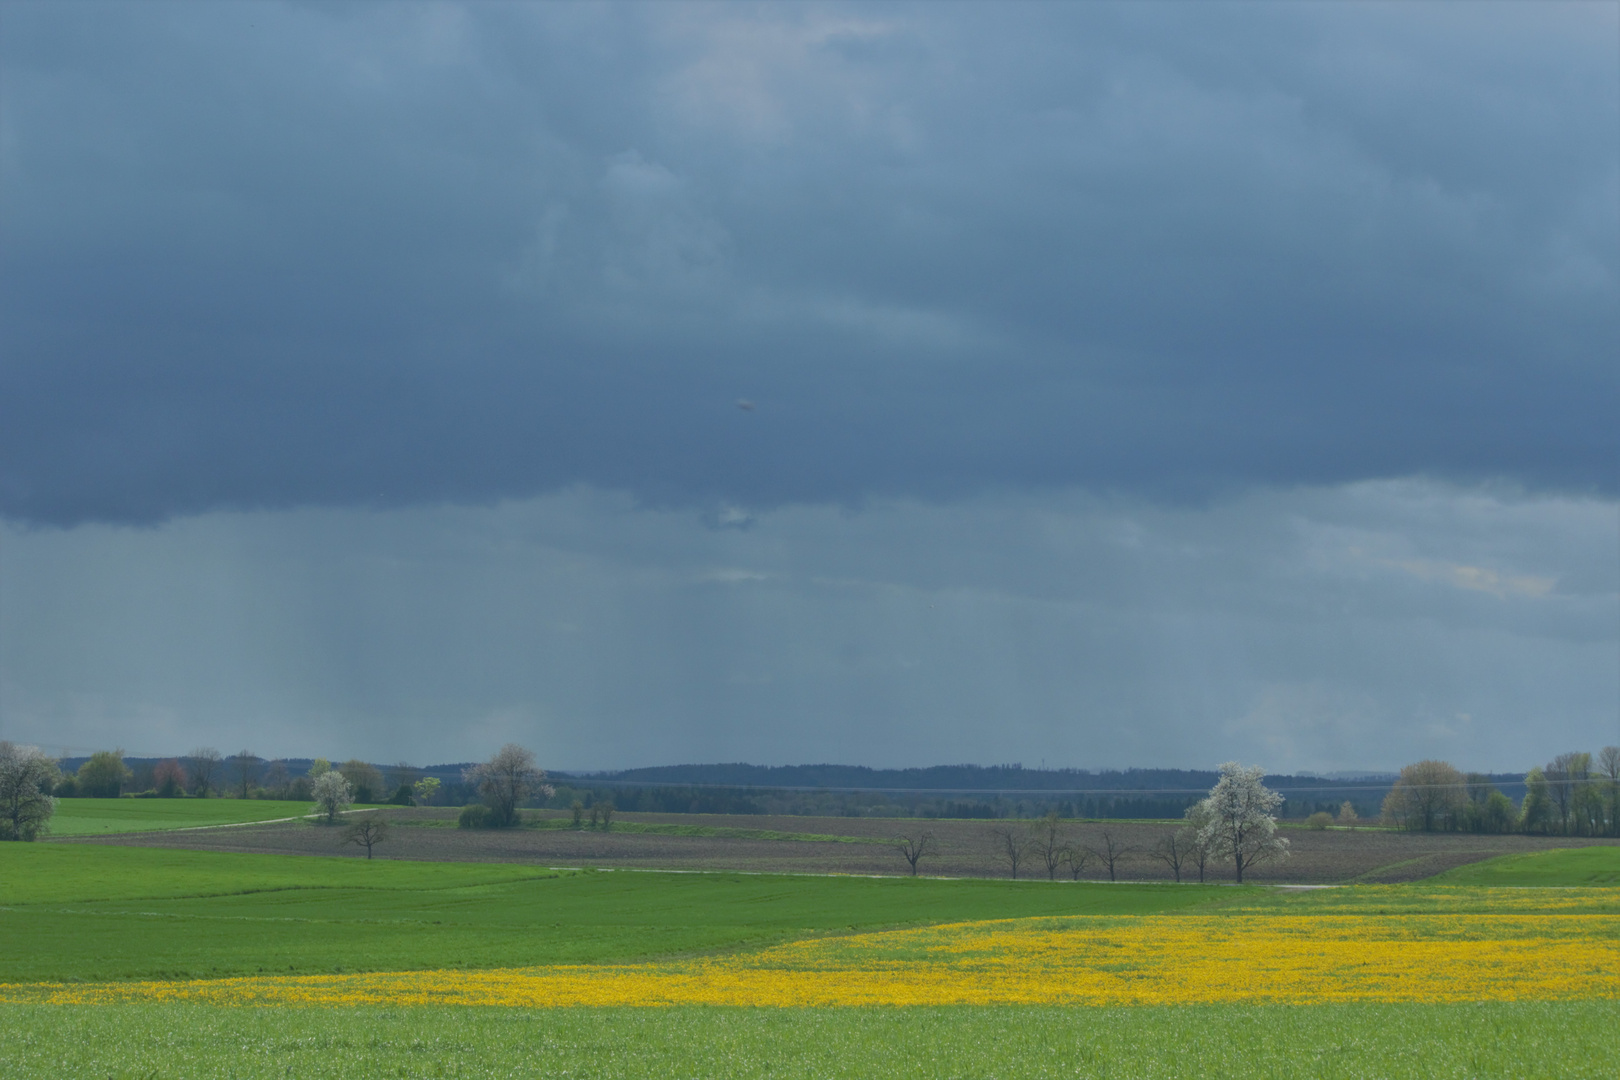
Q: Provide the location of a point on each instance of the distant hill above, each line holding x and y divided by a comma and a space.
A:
954, 778
965, 778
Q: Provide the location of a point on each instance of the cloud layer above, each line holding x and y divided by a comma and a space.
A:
268, 256
887, 383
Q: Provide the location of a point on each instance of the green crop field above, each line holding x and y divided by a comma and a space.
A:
89, 912
1559, 867
78, 912
90, 817
1424, 1042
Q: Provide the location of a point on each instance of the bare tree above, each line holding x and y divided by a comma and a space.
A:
915, 846
1015, 844
505, 781
1428, 796
1050, 843
1566, 775
168, 778
1199, 845
203, 764
403, 775
364, 780
1241, 823
277, 779
1174, 850
1076, 859
366, 831
246, 764
1198, 855
1110, 852
1608, 761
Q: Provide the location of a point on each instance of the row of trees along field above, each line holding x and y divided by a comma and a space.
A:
206, 773
1574, 794
695, 799
31, 783
946, 791
1234, 826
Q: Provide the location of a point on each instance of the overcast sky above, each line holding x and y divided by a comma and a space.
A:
886, 384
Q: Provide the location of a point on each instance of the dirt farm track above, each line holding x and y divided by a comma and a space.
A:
966, 848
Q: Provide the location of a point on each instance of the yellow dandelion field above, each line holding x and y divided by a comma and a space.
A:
1319, 956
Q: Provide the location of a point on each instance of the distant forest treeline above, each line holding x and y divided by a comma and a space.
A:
941, 791
933, 778
944, 791
960, 791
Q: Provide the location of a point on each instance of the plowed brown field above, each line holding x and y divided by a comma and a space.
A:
966, 848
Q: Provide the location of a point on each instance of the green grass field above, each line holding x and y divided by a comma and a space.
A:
74, 912
71, 911
1431, 1042
90, 817
1560, 867
88, 912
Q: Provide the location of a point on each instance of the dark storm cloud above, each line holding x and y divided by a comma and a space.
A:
379, 254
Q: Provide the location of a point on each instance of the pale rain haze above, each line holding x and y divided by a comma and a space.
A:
893, 385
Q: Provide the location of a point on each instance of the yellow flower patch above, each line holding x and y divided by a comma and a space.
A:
1081, 960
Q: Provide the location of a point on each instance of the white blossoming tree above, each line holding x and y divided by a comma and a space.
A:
26, 776
332, 795
1238, 818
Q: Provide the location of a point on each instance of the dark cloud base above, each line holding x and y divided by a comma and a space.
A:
146, 452
276, 256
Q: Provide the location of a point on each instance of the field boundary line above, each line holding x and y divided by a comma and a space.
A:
902, 876
241, 824
200, 828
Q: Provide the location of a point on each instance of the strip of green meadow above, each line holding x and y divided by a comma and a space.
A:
1433, 1042
78, 912
1558, 868
101, 817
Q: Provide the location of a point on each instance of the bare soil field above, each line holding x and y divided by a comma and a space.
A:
965, 848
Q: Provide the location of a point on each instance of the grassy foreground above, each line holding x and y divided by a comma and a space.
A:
173, 1042
96, 817
1378, 944
86, 912
71, 912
